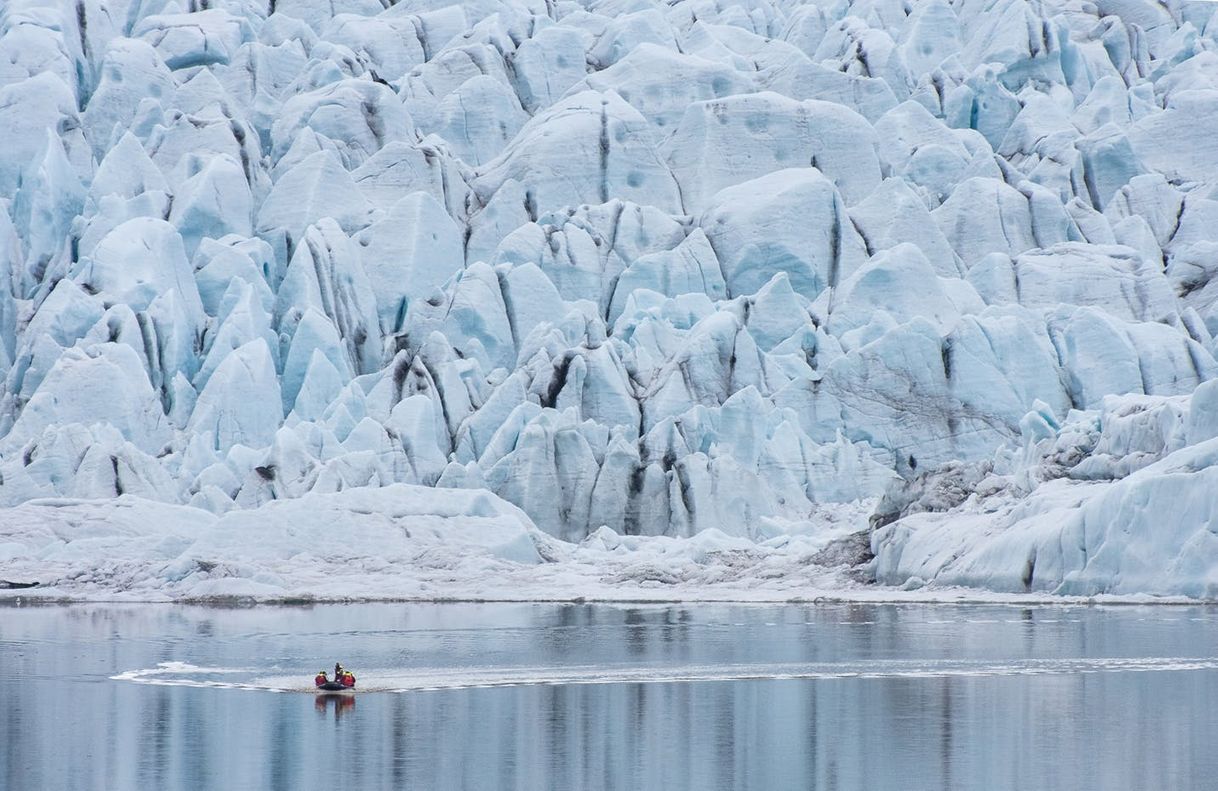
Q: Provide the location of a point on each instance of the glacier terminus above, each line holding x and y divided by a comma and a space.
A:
661, 299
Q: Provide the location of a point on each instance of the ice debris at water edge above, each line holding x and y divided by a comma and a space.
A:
635, 267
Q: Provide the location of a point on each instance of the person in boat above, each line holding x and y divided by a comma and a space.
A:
342, 676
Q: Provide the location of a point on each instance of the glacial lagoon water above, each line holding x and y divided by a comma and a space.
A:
540, 696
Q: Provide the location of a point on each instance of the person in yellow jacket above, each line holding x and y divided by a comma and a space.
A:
341, 676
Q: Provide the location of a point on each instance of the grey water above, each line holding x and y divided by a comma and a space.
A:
541, 696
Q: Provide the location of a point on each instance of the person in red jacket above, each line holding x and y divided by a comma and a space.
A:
320, 678
348, 679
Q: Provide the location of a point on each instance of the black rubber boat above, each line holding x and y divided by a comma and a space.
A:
334, 686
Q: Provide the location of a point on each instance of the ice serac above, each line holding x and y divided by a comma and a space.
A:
546, 64
689, 268
104, 383
660, 82
899, 282
131, 72
319, 187
1115, 279
724, 142
136, 262
357, 117
398, 169
586, 148
660, 273
199, 211
326, 273
201, 38
895, 213
50, 199
29, 108
478, 137
791, 221
985, 215
410, 254
1173, 143
241, 403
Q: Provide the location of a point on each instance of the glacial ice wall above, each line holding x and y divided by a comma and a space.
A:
659, 266
1120, 499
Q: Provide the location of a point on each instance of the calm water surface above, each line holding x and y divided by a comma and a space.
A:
610, 697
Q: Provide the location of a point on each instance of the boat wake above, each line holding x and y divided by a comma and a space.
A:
182, 674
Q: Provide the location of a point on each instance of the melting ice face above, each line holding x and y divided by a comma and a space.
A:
662, 271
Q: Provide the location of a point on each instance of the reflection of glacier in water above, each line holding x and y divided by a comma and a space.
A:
435, 679
647, 698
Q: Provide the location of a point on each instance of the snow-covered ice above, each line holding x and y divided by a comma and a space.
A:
671, 293
1118, 499
397, 542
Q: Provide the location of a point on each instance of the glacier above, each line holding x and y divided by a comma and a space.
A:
601, 296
